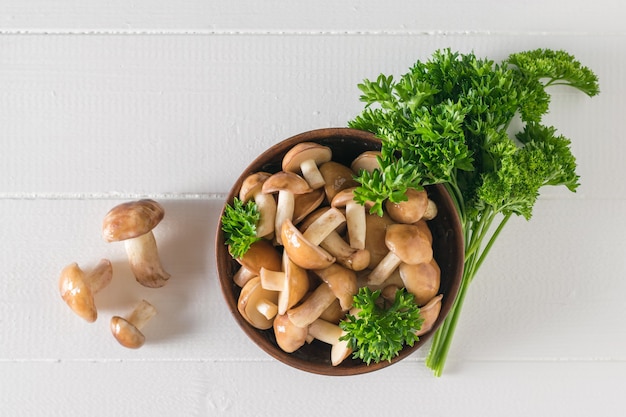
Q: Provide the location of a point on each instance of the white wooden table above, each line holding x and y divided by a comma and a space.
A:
104, 102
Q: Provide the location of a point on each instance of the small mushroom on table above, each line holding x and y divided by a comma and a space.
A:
78, 288
406, 244
306, 157
127, 331
132, 222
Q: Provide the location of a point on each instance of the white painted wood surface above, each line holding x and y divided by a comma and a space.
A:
102, 103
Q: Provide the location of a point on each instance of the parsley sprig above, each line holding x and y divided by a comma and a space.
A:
448, 120
239, 226
377, 331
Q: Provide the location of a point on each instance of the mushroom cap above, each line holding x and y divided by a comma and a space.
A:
410, 210
288, 181
376, 227
305, 204
296, 285
252, 185
261, 254
336, 177
305, 151
367, 161
343, 197
77, 293
342, 282
126, 333
251, 295
408, 243
430, 313
289, 337
131, 219
301, 251
421, 280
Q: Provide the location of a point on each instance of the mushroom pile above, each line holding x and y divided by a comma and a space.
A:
318, 246
131, 222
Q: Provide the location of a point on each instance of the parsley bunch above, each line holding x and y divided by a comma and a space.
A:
377, 332
447, 120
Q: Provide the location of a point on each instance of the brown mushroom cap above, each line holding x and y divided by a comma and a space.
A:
289, 337
261, 254
77, 293
252, 184
131, 219
342, 281
376, 227
126, 333
305, 151
305, 204
408, 243
366, 161
430, 313
411, 210
251, 297
421, 280
301, 251
336, 177
296, 285
286, 181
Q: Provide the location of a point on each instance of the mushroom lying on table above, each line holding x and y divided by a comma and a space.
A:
78, 288
132, 222
127, 331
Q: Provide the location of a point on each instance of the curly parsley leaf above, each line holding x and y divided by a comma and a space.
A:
239, 223
377, 332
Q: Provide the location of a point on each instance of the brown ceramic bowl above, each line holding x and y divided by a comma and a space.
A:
346, 144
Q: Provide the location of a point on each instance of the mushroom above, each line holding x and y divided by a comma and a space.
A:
421, 280
132, 222
260, 254
252, 189
78, 288
376, 227
257, 305
406, 244
337, 177
302, 252
431, 210
127, 331
410, 210
287, 185
292, 283
367, 161
289, 337
342, 282
305, 157
305, 204
423, 226
313, 306
355, 216
429, 313
331, 333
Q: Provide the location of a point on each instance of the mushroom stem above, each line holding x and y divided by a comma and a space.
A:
355, 217
384, 269
100, 276
330, 333
284, 211
355, 259
127, 331
312, 174
311, 308
142, 314
243, 275
326, 223
143, 257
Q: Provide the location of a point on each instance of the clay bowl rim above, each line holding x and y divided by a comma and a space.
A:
360, 141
